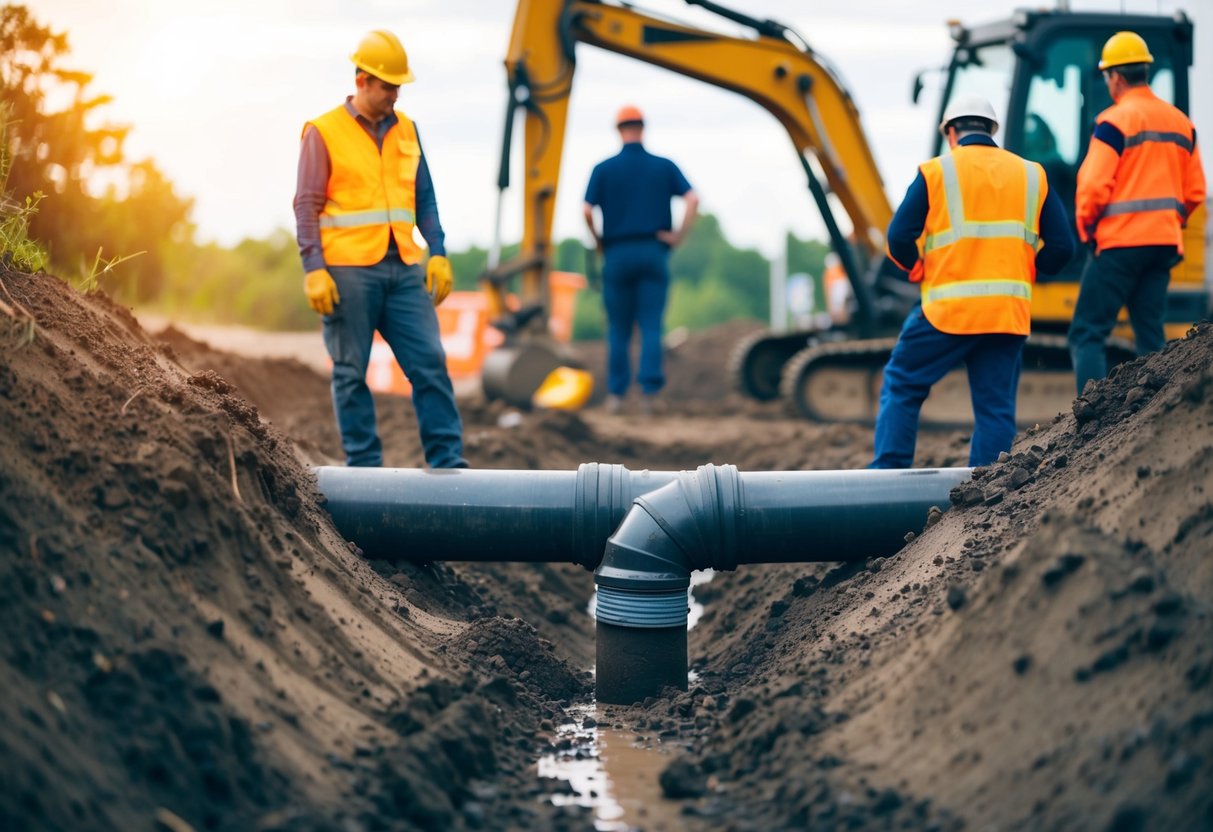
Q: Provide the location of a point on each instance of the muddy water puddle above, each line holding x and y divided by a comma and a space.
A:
613, 771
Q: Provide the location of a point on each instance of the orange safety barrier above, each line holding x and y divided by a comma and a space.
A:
562, 292
467, 337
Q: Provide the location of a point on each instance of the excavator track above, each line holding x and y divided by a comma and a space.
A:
756, 362
840, 382
837, 382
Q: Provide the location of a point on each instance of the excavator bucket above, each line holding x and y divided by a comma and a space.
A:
514, 371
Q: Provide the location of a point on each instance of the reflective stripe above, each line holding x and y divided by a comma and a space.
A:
359, 218
981, 231
1159, 136
951, 192
961, 229
1031, 203
978, 289
1133, 206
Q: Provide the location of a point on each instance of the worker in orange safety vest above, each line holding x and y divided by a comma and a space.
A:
363, 188
1137, 186
975, 226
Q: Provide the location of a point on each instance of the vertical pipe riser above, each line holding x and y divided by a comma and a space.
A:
634, 664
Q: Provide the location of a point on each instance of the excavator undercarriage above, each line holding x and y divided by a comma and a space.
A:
839, 381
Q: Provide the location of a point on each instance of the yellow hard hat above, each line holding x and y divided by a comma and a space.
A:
381, 54
565, 388
1125, 48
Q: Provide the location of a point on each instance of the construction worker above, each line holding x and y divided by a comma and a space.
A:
837, 288
968, 231
633, 190
1137, 186
363, 186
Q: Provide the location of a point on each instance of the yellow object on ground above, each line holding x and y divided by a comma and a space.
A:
564, 389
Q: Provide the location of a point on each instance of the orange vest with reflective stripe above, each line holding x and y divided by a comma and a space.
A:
1138, 198
979, 241
371, 193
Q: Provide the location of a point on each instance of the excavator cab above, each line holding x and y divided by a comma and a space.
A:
1038, 68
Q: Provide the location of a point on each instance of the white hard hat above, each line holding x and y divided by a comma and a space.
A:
974, 106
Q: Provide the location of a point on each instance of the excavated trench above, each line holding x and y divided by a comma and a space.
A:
190, 643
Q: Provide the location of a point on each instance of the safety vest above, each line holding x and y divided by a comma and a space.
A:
1138, 198
370, 192
978, 244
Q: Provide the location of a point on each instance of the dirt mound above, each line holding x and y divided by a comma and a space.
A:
1040, 657
187, 640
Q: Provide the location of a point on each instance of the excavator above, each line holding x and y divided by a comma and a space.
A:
1036, 68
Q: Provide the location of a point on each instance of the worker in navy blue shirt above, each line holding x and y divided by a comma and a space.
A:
633, 190
976, 226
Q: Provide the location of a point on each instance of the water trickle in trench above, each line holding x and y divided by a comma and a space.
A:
612, 771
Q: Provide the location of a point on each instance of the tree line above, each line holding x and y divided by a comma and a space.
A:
131, 235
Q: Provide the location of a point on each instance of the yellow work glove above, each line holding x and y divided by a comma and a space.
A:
438, 279
321, 291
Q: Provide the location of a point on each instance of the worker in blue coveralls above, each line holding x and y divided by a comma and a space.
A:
633, 190
975, 227
363, 188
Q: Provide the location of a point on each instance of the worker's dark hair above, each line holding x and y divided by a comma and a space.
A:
972, 124
633, 123
359, 71
1134, 74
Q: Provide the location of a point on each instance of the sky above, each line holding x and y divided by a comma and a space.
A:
217, 91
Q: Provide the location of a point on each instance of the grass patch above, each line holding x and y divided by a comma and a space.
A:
17, 251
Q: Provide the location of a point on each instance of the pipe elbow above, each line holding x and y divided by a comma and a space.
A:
688, 524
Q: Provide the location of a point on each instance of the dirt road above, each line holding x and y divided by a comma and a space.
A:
189, 643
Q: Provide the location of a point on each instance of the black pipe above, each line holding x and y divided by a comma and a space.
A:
480, 515
567, 516
672, 524
717, 518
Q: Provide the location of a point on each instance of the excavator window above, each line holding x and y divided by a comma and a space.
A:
1064, 97
1053, 128
986, 71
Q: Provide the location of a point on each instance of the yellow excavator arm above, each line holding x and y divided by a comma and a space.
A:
787, 79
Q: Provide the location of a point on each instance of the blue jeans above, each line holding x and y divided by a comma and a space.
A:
390, 297
635, 283
1115, 278
923, 356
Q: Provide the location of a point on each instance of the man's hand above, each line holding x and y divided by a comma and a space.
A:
438, 278
321, 291
670, 238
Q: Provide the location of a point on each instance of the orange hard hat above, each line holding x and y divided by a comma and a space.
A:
628, 113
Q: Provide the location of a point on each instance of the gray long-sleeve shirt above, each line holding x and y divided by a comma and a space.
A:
312, 186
